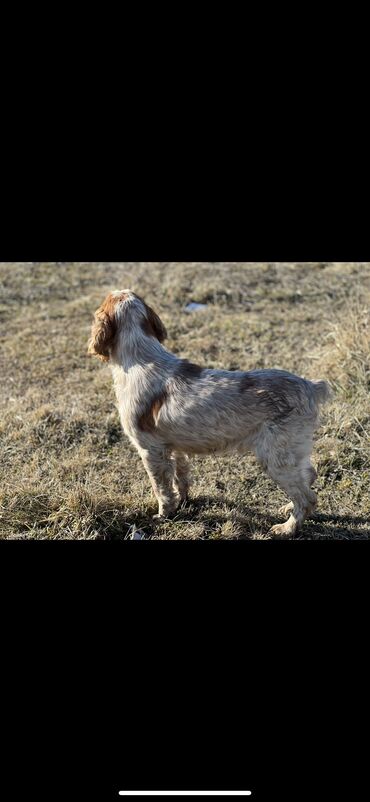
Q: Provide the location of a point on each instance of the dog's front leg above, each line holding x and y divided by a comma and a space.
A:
161, 470
181, 479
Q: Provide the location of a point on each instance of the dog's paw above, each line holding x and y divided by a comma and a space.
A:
286, 508
283, 530
165, 515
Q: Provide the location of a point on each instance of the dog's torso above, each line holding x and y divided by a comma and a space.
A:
202, 410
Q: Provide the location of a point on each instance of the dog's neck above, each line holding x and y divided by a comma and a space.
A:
136, 355
140, 365
135, 350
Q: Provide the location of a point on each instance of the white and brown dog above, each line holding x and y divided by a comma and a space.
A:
171, 408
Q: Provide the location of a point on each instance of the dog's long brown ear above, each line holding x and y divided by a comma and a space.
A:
103, 333
154, 325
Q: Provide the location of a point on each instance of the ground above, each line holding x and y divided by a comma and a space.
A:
67, 470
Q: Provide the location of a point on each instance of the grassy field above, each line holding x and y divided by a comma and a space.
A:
67, 471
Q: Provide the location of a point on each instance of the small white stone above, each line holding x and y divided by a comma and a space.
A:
195, 307
138, 535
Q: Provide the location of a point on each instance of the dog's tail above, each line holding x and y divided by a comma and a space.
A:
322, 391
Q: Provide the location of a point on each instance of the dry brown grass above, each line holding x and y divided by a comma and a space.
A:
66, 469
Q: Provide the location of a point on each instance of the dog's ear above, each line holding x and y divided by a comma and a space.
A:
103, 333
154, 325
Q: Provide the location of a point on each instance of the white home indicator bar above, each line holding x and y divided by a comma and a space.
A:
185, 793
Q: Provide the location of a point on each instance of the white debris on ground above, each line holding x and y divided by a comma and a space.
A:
138, 534
195, 307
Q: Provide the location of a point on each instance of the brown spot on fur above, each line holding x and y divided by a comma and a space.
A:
104, 328
187, 370
269, 398
248, 382
152, 324
148, 420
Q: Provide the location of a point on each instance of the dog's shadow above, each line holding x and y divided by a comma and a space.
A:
250, 523
257, 523
336, 527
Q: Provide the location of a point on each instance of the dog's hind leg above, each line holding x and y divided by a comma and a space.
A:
303, 499
295, 480
285, 455
309, 476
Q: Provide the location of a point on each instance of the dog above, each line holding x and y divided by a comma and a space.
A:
171, 408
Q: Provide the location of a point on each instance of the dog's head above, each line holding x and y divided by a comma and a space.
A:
122, 313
